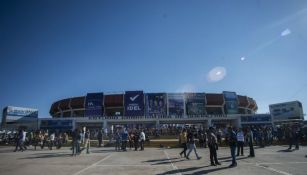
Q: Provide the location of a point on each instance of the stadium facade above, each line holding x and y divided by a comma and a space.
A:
132, 108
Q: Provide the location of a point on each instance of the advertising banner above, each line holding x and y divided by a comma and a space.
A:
175, 104
230, 96
93, 105
56, 124
231, 107
156, 104
256, 118
287, 110
21, 112
134, 103
195, 103
231, 102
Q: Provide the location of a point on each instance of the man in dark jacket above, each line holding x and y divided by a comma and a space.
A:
136, 140
19, 142
99, 137
250, 139
233, 145
75, 141
212, 144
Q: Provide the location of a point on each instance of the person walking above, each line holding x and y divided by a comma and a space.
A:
136, 138
117, 141
232, 141
99, 137
250, 139
124, 136
183, 142
142, 139
130, 140
24, 139
212, 144
290, 137
51, 140
19, 139
191, 144
75, 134
36, 139
87, 141
240, 142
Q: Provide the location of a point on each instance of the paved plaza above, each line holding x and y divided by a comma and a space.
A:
270, 160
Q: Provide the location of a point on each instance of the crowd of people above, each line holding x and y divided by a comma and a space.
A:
190, 138
236, 138
39, 138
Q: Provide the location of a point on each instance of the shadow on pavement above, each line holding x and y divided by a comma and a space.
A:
180, 170
286, 150
237, 158
185, 170
223, 158
159, 160
167, 162
49, 155
103, 151
210, 170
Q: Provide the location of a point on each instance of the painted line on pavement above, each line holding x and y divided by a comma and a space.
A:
174, 166
94, 164
272, 169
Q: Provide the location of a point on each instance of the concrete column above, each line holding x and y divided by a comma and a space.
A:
209, 122
73, 124
238, 122
157, 124
105, 123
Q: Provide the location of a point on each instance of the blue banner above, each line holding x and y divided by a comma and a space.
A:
231, 102
156, 104
13, 111
231, 107
256, 118
175, 104
195, 103
56, 124
134, 103
230, 96
94, 105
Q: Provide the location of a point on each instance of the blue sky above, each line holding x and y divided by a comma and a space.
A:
51, 50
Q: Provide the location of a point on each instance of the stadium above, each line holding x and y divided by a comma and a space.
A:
114, 104
131, 108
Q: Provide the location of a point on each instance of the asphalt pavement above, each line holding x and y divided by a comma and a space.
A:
271, 160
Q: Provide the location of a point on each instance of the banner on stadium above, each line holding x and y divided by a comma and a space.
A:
56, 124
287, 110
230, 96
256, 118
134, 103
156, 104
231, 102
22, 112
94, 105
195, 103
175, 104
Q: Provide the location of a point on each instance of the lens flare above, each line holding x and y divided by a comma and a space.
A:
216, 74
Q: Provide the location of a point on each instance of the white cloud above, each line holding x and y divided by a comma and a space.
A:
216, 74
242, 58
285, 32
